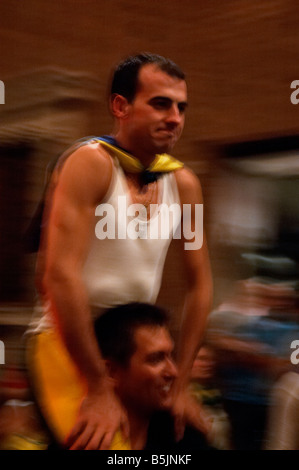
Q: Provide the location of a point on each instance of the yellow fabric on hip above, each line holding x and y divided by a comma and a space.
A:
58, 385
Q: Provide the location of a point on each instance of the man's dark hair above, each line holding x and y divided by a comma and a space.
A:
125, 78
116, 327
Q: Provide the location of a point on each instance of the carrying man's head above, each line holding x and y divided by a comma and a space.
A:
135, 342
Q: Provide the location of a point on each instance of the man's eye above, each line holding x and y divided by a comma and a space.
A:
155, 359
182, 108
161, 104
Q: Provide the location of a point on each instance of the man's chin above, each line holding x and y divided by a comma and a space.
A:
167, 403
165, 146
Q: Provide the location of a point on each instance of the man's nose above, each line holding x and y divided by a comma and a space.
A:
171, 369
174, 115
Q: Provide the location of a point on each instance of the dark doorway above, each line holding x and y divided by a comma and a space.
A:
13, 165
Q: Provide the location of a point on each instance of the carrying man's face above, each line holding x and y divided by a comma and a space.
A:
146, 382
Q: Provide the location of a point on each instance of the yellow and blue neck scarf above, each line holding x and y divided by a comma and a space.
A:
163, 163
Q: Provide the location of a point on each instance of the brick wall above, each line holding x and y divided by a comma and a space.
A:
240, 55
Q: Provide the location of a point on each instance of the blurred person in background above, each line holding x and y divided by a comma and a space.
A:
21, 426
283, 419
77, 272
252, 333
204, 388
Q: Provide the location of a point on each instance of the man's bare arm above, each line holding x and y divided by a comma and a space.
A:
197, 304
84, 180
198, 300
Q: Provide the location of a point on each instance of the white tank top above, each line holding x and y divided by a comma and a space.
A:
121, 270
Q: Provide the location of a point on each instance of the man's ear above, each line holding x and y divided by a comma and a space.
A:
119, 106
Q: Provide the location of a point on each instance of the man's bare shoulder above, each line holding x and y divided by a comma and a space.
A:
188, 185
88, 168
89, 157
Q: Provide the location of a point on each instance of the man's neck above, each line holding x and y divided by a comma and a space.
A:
139, 424
145, 157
